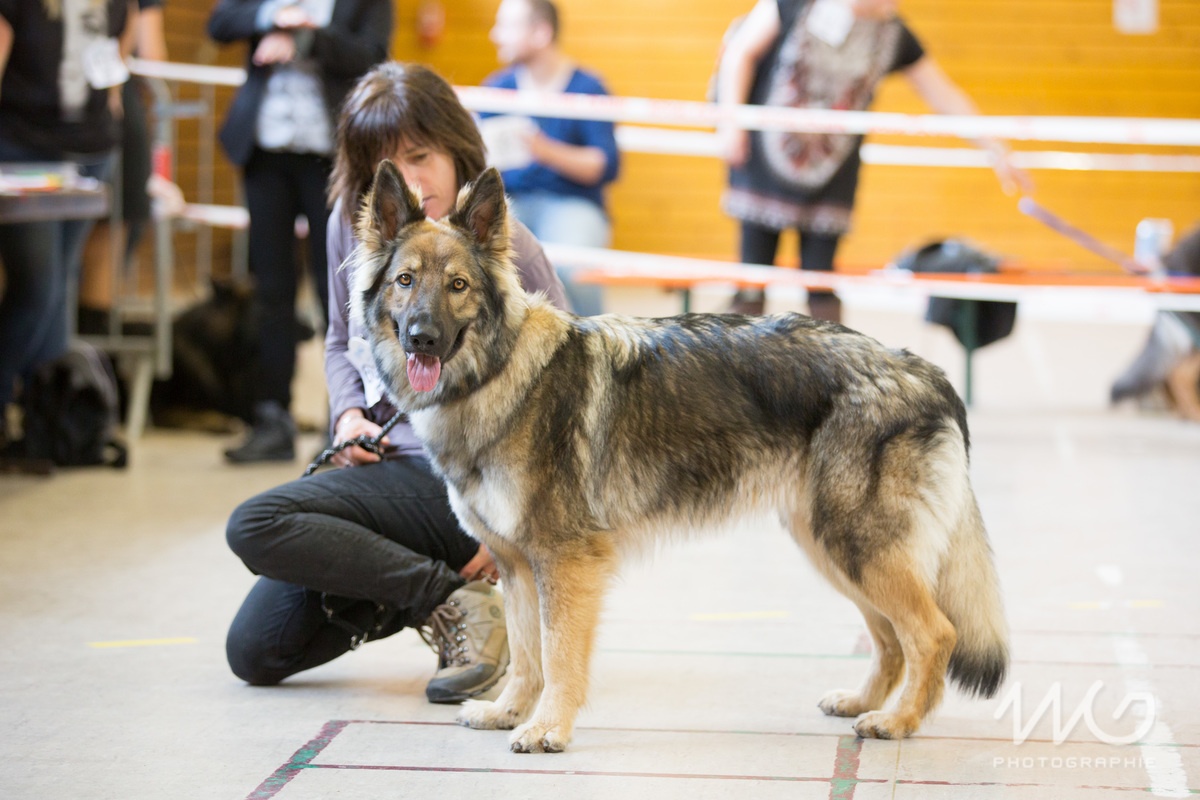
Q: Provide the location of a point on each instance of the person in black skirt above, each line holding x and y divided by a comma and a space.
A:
817, 54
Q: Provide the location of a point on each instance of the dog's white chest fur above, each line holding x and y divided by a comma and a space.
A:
489, 491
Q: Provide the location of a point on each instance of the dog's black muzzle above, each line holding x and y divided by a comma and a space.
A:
421, 334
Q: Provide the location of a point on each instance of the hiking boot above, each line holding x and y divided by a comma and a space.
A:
272, 438
469, 635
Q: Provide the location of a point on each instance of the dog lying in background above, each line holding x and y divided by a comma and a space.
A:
1170, 360
568, 442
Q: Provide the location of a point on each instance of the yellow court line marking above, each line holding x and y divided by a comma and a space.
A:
1090, 606
738, 615
144, 642
1105, 605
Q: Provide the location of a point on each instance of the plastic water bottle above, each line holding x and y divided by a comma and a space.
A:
1153, 238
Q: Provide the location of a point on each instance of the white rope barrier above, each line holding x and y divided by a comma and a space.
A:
674, 142
1099, 130
686, 113
188, 73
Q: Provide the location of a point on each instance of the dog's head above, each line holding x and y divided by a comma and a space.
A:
439, 298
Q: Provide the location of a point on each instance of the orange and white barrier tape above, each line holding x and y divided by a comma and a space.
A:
597, 265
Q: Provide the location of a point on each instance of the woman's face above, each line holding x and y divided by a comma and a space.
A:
429, 173
875, 9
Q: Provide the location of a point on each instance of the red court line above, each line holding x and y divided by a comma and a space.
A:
586, 773
608, 728
1143, 789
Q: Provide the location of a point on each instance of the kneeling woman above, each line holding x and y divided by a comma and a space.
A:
358, 553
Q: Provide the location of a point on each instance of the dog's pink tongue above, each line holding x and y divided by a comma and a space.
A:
423, 372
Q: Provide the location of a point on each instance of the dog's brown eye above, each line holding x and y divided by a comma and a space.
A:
458, 285
405, 279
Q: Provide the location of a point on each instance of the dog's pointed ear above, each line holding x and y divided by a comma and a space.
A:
388, 207
482, 211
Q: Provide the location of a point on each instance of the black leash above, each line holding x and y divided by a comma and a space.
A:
368, 443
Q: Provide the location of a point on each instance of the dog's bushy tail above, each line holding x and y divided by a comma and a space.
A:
968, 593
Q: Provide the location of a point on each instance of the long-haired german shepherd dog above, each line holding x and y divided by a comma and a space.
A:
567, 442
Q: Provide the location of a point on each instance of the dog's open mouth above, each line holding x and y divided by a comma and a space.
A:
424, 370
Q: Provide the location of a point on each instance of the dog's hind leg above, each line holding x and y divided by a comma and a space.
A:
887, 669
524, 685
571, 590
894, 586
887, 661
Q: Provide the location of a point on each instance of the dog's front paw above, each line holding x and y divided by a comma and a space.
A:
880, 725
535, 737
843, 703
487, 715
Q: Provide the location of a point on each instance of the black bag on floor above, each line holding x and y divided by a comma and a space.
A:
71, 410
994, 320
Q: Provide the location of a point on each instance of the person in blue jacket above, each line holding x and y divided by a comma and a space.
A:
555, 170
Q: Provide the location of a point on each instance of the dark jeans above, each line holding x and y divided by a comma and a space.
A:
279, 187
41, 265
759, 246
380, 541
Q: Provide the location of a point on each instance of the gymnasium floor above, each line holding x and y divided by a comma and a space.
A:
117, 587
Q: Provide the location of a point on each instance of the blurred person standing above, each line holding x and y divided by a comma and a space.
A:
303, 58
61, 68
100, 280
829, 54
555, 170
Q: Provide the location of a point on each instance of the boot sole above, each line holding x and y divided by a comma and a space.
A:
454, 699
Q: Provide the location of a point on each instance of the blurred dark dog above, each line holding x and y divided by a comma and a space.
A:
1170, 359
214, 360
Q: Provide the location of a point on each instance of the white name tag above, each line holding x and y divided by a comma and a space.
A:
505, 139
830, 21
102, 64
359, 353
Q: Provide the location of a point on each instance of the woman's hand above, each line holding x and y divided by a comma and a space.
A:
276, 47
1013, 179
734, 145
481, 567
290, 18
351, 425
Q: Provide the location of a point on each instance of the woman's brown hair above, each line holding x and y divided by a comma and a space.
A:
397, 102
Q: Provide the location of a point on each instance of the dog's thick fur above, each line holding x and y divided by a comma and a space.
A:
568, 441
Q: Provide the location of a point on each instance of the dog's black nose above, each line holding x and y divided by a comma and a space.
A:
423, 336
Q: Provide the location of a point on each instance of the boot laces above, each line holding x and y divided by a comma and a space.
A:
445, 633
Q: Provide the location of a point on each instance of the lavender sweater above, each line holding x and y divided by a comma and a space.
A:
342, 377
